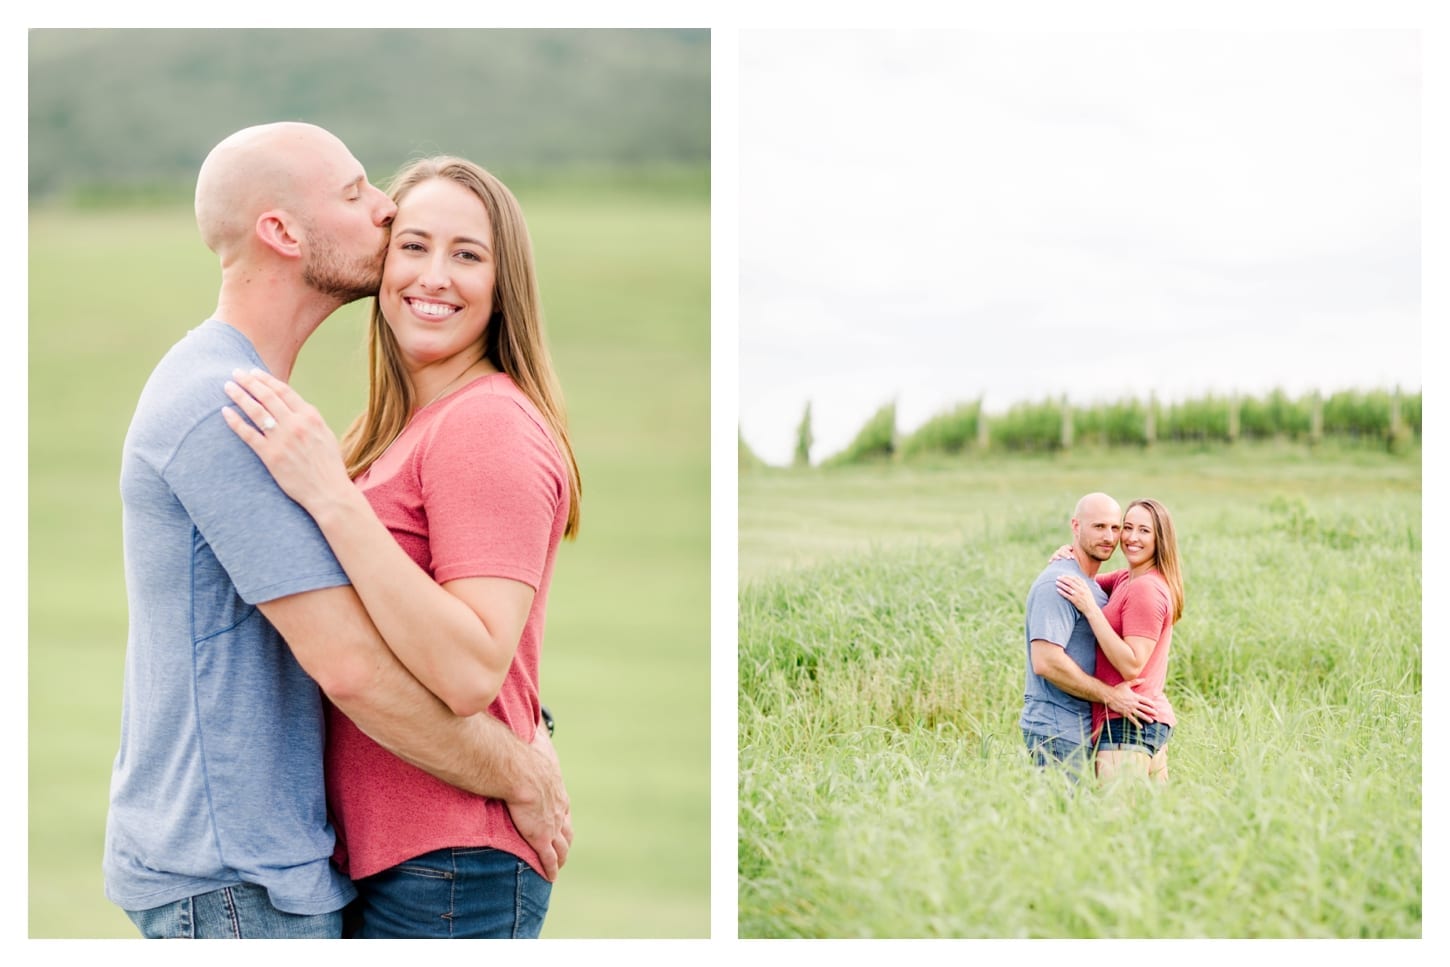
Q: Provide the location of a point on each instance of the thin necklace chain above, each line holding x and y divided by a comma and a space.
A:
449, 385
446, 387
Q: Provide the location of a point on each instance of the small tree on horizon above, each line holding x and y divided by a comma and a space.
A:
804, 440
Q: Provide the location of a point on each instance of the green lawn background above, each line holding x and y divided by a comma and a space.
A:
625, 280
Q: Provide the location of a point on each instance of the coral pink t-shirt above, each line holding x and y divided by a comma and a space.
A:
1141, 608
473, 487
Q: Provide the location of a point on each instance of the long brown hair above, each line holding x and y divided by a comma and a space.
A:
513, 339
1165, 549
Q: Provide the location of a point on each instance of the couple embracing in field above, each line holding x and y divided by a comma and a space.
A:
401, 574
1097, 644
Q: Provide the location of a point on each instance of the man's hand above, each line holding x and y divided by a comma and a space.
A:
1129, 704
541, 809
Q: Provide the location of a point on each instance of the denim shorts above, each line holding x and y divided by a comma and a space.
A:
1121, 735
233, 912
472, 891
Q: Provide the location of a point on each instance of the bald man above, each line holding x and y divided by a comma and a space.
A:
1057, 717
238, 610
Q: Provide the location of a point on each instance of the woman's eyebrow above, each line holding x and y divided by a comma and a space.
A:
466, 239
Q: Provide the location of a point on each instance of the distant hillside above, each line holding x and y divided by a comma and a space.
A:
139, 109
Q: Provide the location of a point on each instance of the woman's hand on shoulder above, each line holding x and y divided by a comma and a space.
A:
1073, 588
1062, 552
289, 436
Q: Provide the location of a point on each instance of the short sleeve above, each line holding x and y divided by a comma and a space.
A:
269, 546
493, 486
1050, 616
1145, 612
1111, 579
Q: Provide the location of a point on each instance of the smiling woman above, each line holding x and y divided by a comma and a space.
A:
437, 291
447, 516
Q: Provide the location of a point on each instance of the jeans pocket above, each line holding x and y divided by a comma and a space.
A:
420, 870
171, 921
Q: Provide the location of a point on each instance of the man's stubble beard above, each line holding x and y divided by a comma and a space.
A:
328, 272
1091, 551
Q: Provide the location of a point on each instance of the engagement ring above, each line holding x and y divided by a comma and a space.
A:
268, 424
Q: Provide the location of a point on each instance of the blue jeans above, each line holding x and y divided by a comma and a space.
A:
471, 891
233, 913
1055, 750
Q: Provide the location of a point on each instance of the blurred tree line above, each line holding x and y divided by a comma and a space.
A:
128, 112
1380, 418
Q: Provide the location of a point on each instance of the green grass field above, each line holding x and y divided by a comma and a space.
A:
625, 279
883, 789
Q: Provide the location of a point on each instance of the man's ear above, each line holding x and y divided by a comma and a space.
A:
274, 228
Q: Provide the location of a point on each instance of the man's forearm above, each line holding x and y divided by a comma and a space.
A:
1063, 672
1079, 685
478, 753
336, 643
1053, 664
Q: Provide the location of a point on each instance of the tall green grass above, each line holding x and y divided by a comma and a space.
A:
883, 788
625, 282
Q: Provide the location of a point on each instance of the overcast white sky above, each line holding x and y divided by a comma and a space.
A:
936, 216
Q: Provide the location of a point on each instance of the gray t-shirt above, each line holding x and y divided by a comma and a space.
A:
1046, 709
219, 775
